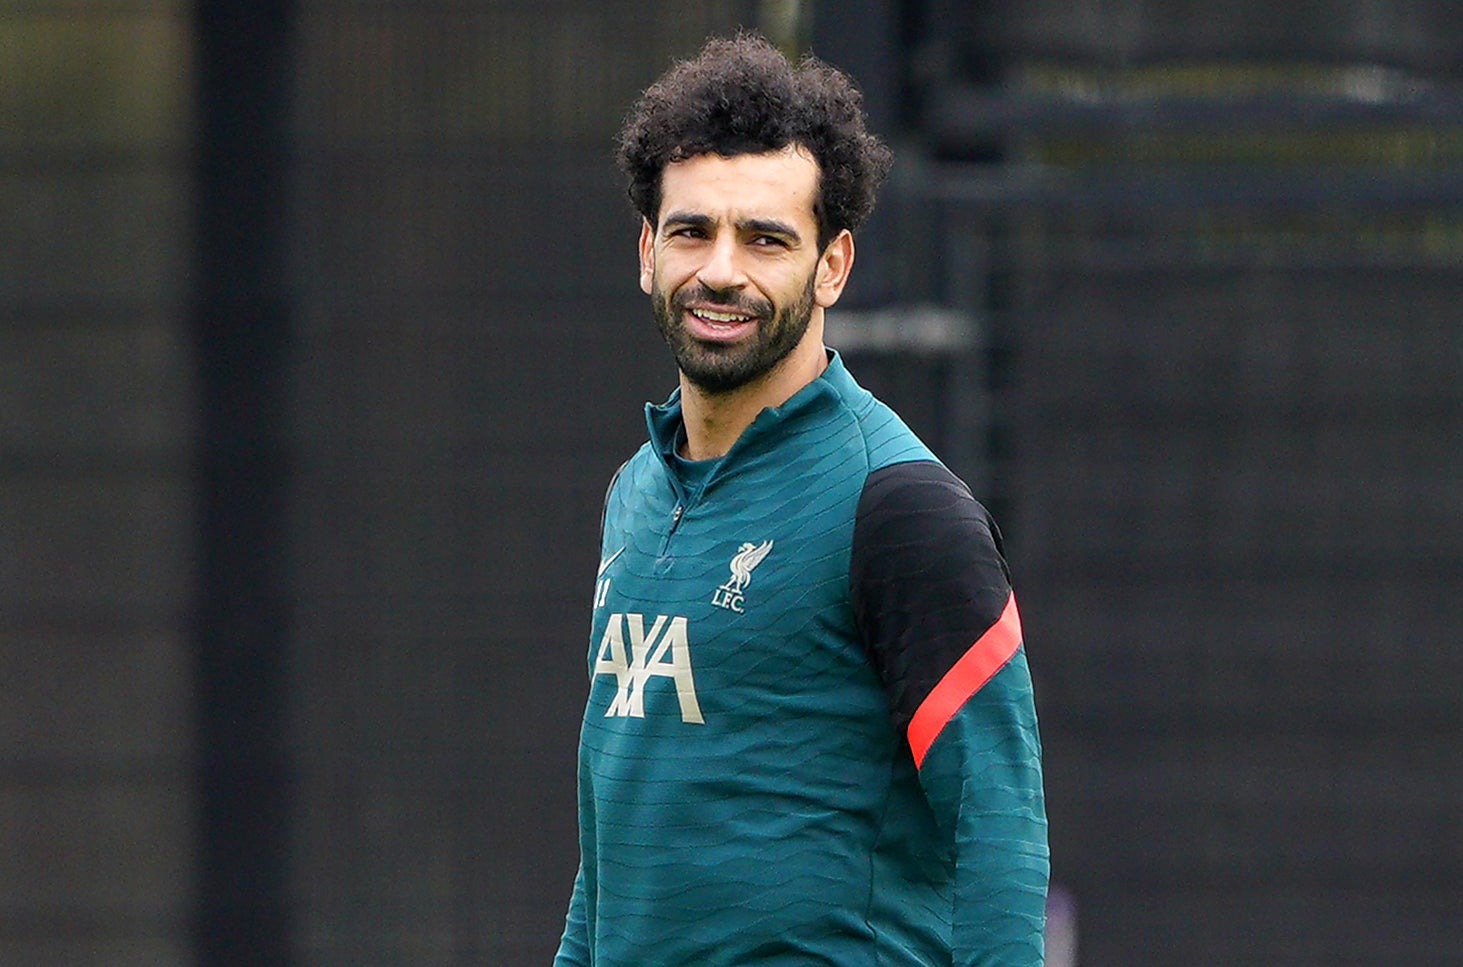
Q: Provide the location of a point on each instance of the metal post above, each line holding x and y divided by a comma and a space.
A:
240, 325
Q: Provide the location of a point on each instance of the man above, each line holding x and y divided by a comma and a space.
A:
810, 736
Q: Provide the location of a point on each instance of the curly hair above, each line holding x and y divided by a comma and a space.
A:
741, 96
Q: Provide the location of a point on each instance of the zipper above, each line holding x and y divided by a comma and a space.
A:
685, 499
677, 513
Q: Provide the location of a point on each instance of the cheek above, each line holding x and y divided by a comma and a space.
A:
667, 273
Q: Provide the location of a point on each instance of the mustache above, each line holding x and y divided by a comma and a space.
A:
730, 298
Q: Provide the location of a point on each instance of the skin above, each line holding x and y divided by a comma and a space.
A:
737, 237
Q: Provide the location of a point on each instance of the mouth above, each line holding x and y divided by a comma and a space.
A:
718, 325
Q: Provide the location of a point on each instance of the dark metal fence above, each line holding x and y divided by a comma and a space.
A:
1224, 301
469, 365
301, 489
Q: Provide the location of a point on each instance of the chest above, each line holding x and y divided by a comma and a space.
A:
718, 611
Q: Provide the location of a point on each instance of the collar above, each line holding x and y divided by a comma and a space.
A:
835, 383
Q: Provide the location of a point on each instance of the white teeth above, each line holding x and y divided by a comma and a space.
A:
723, 317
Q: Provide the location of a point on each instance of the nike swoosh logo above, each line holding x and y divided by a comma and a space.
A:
608, 561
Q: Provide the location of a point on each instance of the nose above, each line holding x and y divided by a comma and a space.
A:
722, 269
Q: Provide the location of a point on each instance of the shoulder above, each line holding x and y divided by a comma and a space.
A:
887, 439
638, 480
920, 506
922, 545
880, 432
643, 461
926, 577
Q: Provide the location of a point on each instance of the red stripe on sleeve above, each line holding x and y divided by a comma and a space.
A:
982, 660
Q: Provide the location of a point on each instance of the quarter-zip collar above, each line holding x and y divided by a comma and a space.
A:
664, 421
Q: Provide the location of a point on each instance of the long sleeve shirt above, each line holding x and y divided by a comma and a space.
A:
810, 736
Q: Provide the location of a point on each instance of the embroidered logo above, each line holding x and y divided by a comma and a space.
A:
747, 557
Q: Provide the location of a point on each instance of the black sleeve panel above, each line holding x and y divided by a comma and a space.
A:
927, 577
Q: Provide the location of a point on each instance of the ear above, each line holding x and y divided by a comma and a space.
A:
647, 255
833, 268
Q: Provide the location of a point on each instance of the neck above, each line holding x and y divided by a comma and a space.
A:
714, 421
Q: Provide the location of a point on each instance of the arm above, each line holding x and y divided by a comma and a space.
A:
933, 603
574, 944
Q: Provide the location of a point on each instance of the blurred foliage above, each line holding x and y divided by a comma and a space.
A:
109, 78
491, 72
1349, 226
1397, 145
95, 127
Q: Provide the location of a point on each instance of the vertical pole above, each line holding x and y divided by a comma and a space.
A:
862, 37
240, 327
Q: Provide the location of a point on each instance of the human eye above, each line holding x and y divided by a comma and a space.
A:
768, 235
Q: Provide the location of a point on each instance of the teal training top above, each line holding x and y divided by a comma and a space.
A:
810, 735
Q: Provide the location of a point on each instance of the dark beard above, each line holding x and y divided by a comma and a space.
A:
715, 368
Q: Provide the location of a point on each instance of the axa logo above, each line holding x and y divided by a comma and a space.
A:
634, 655
747, 557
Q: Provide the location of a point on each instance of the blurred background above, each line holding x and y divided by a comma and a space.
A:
320, 337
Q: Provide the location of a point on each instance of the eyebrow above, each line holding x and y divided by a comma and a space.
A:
686, 218
769, 226
760, 226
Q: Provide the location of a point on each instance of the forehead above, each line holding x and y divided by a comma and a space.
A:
773, 184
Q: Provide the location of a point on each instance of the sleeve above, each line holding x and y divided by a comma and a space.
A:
574, 944
933, 603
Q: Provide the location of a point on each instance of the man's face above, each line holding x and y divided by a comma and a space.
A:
733, 268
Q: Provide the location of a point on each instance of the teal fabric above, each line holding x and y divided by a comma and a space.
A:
744, 797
